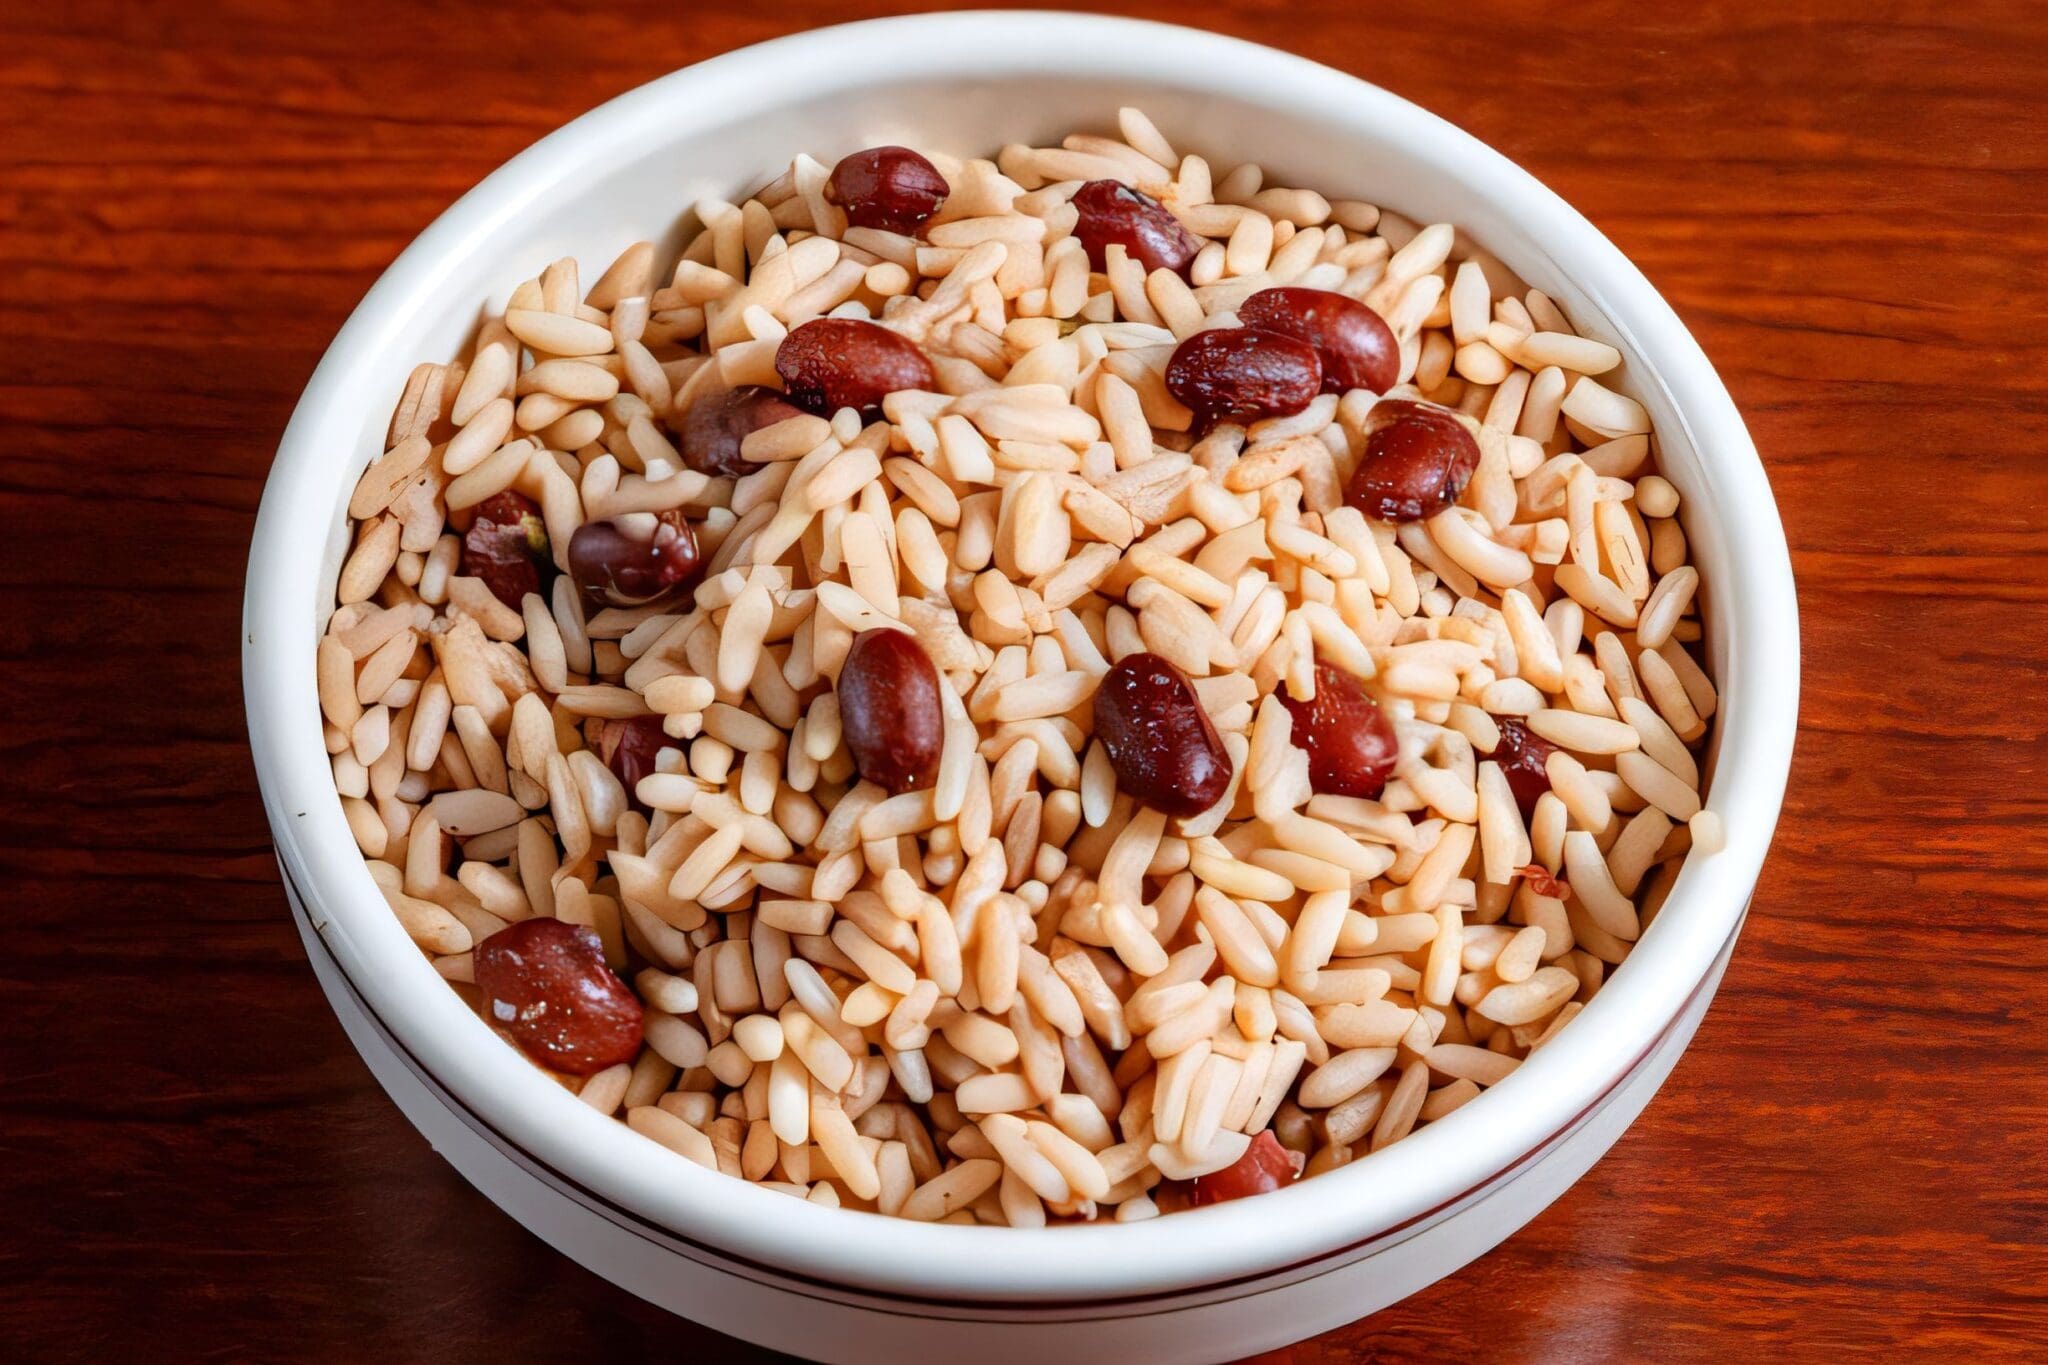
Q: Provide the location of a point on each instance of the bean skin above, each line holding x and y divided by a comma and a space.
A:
1239, 374
1264, 1167
891, 188
1160, 741
546, 983
506, 546
1112, 212
614, 567
717, 423
1350, 742
629, 748
1414, 466
832, 363
1523, 756
889, 711
1355, 345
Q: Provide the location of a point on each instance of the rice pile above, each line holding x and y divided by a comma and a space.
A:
1017, 995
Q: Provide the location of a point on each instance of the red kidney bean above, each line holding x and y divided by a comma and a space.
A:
1160, 741
1414, 466
1239, 374
832, 363
1354, 343
718, 422
629, 748
1264, 1167
615, 567
889, 711
1350, 742
891, 188
546, 983
1111, 211
505, 546
1523, 755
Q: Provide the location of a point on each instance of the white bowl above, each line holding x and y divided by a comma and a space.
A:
1210, 1284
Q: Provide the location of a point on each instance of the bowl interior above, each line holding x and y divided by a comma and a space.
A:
967, 84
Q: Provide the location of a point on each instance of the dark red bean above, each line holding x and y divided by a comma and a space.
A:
1265, 1166
617, 567
891, 188
629, 748
1354, 343
1238, 374
1414, 466
1160, 741
1111, 211
1350, 742
1523, 755
718, 422
505, 546
832, 363
546, 983
889, 711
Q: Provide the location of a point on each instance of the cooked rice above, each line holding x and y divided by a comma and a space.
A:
1017, 996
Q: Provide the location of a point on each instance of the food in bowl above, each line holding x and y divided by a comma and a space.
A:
1015, 691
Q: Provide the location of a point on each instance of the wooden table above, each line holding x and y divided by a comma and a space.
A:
1848, 210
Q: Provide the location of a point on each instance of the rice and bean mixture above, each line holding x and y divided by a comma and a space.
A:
1053, 688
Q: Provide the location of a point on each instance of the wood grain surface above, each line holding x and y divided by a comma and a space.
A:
1847, 201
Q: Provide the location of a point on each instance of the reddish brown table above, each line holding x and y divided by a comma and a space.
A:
1847, 208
